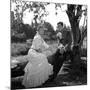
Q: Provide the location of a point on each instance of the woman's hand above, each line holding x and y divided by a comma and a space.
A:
39, 50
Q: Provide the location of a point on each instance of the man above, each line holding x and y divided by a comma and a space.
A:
63, 35
59, 32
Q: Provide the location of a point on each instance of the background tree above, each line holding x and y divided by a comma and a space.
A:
74, 13
21, 32
17, 25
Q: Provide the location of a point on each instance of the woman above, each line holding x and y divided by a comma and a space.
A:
38, 69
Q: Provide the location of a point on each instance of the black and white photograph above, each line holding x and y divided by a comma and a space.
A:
48, 44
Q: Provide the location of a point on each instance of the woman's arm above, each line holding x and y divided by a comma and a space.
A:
45, 45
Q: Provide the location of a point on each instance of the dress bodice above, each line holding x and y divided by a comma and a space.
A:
34, 55
39, 43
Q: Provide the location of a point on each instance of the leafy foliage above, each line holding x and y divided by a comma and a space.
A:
49, 32
19, 49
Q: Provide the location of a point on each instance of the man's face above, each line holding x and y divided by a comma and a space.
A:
59, 27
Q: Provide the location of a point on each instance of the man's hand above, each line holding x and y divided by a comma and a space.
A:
62, 48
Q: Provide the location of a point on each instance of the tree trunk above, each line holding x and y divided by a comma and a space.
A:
76, 37
75, 61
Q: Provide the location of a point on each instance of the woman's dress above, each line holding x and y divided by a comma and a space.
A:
38, 69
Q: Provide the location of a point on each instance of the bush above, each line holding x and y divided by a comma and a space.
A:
21, 32
29, 31
19, 49
18, 38
50, 33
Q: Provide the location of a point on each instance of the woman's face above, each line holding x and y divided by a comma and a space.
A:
41, 31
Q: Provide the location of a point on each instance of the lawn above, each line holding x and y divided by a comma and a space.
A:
19, 50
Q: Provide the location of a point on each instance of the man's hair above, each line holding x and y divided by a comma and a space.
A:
60, 23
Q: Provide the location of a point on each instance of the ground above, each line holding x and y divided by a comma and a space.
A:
63, 78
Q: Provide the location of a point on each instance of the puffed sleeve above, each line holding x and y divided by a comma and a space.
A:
37, 42
45, 45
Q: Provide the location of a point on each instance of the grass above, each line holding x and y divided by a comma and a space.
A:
20, 49
63, 79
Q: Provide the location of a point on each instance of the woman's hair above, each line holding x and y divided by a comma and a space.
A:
39, 27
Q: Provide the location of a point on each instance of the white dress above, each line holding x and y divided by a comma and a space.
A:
38, 69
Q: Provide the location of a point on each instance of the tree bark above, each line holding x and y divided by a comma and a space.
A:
75, 51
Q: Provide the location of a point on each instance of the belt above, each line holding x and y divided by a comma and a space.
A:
37, 50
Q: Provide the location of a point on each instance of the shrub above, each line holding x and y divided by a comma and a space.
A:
21, 32
19, 49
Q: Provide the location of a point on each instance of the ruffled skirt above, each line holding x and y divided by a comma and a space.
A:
36, 73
